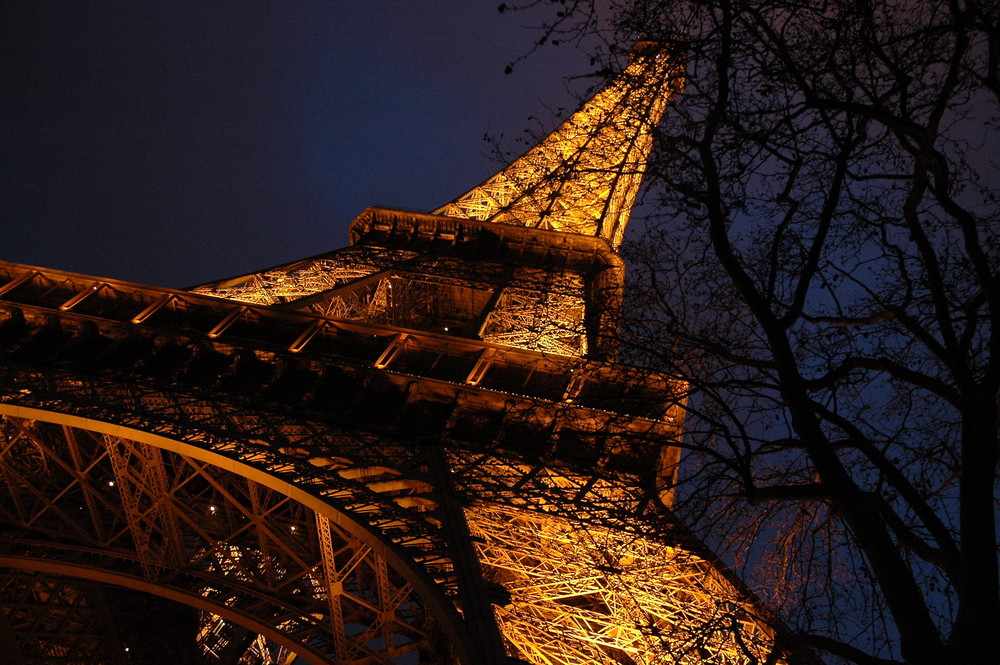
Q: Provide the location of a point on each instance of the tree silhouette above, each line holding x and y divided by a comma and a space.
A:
820, 259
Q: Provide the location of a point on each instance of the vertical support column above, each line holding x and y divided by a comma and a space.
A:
333, 586
141, 478
475, 605
385, 603
263, 542
80, 467
604, 292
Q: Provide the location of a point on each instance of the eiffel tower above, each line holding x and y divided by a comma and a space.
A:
416, 449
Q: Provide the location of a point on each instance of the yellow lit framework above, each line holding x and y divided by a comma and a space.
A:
582, 593
478, 334
584, 177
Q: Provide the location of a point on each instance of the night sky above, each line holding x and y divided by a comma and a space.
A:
173, 143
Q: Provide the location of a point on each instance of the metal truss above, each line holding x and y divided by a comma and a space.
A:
582, 179
210, 383
418, 449
584, 176
540, 312
586, 591
392, 490
306, 277
613, 580
45, 619
581, 593
515, 304
77, 500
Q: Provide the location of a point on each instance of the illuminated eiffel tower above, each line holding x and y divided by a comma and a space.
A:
417, 449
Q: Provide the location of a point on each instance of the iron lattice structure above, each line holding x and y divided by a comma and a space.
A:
417, 449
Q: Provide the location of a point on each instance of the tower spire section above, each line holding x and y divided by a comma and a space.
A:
584, 177
526, 259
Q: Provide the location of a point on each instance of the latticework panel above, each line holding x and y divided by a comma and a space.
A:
525, 308
393, 443
584, 177
304, 278
45, 620
304, 466
582, 593
540, 311
407, 300
363, 301
159, 520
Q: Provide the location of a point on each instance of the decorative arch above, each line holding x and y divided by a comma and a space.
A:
347, 549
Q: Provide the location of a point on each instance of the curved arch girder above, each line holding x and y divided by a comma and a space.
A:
260, 467
179, 595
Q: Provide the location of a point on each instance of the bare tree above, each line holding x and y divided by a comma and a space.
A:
820, 258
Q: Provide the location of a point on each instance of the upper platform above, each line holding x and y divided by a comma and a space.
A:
527, 259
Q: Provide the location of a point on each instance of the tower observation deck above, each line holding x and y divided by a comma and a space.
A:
416, 449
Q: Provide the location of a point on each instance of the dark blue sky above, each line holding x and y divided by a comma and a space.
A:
173, 143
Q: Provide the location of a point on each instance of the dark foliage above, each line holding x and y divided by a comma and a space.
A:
820, 257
